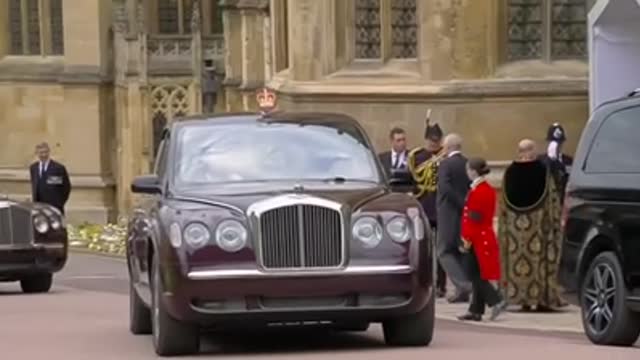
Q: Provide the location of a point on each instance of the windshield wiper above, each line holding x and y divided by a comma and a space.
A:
341, 180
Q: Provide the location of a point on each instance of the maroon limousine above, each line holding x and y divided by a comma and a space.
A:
279, 219
33, 244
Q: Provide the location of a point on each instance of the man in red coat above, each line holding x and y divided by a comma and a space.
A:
481, 244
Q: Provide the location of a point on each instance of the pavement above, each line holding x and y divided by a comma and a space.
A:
86, 316
563, 320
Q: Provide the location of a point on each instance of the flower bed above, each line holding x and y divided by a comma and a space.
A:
109, 239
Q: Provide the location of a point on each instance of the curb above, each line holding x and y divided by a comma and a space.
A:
84, 251
496, 324
501, 325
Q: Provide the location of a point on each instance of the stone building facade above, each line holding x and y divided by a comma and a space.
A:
98, 79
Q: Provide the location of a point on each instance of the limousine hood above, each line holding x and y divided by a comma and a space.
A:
241, 196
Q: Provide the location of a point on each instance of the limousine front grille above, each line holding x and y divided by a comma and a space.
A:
16, 226
301, 236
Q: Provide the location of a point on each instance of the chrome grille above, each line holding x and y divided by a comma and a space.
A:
16, 226
301, 236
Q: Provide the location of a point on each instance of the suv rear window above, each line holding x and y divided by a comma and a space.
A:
616, 146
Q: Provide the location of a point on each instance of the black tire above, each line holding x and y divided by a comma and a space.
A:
39, 283
602, 296
170, 337
412, 330
139, 314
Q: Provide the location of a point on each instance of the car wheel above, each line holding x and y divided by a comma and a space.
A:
412, 330
39, 283
170, 337
139, 314
605, 317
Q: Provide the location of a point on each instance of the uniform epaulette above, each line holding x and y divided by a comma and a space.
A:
415, 151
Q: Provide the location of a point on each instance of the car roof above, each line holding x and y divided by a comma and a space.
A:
334, 120
631, 97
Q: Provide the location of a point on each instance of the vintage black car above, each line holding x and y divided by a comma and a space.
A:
600, 263
33, 244
273, 220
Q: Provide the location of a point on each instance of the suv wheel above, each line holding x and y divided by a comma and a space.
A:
170, 337
39, 283
605, 316
139, 314
412, 330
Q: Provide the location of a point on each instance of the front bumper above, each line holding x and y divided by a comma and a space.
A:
17, 261
355, 294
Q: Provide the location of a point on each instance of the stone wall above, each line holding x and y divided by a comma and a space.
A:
67, 101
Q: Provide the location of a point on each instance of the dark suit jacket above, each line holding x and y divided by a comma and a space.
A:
386, 160
53, 187
453, 186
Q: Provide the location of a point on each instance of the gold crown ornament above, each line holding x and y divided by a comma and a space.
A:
266, 99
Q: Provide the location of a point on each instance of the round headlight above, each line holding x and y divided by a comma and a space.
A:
368, 231
175, 235
399, 229
56, 224
231, 235
196, 235
41, 223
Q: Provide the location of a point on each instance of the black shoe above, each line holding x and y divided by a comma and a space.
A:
470, 317
440, 293
459, 297
497, 310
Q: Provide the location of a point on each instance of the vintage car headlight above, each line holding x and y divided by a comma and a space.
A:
41, 223
56, 219
368, 231
175, 235
399, 229
196, 235
231, 235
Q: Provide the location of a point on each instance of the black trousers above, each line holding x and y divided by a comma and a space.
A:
441, 276
483, 292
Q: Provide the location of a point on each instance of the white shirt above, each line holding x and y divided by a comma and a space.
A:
43, 167
454, 153
401, 162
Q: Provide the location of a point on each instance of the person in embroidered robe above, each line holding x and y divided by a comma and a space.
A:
529, 232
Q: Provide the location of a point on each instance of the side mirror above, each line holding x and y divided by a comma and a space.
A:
401, 181
146, 184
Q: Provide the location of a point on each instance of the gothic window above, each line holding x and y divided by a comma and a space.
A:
547, 29
386, 29
35, 27
174, 16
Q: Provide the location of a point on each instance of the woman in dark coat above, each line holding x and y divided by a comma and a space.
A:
481, 244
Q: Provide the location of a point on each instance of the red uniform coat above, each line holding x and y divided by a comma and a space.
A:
477, 228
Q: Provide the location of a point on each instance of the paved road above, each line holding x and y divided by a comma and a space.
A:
85, 317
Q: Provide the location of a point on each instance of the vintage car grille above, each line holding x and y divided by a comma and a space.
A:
15, 226
301, 236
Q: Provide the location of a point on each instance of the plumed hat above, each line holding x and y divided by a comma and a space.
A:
432, 132
556, 133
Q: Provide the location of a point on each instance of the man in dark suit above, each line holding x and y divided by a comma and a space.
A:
453, 185
396, 159
49, 179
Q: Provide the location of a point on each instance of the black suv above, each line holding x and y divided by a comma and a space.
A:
600, 264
